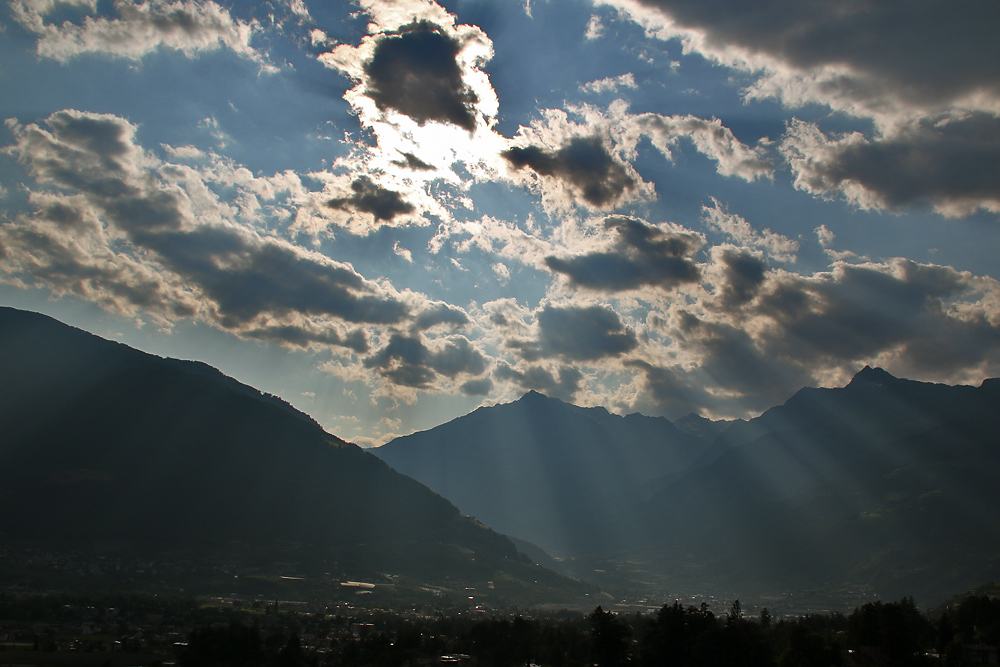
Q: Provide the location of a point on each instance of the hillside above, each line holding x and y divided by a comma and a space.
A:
886, 484
566, 478
106, 447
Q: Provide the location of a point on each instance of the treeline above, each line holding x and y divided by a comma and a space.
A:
894, 633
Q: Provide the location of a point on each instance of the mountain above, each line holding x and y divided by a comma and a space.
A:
563, 477
887, 483
105, 445
701, 427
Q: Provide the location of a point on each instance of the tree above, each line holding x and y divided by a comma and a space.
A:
735, 613
609, 638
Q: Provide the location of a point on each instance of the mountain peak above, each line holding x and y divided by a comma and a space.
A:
872, 376
533, 397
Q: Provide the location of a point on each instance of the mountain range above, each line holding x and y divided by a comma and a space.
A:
886, 483
108, 449
548, 472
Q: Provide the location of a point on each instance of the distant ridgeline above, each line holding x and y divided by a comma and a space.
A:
105, 445
885, 483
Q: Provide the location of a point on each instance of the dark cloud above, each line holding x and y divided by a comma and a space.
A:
247, 277
411, 161
403, 361
865, 311
456, 357
407, 361
925, 51
478, 387
542, 380
954, 163
371, 198
742, 276
671, 391
642, 255
733, 359
98, 136
416, 73
48, 257
914, 318
441, 314
301, 336
584, 163
244, 278
581, 334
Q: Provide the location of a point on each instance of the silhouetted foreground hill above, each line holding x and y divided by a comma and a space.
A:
103, 444
551, 473
887, 483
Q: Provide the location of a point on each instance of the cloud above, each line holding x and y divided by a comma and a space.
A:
408, 361
952, 165
725, 317
733, 359
672, 391
477, 387
188, 26
421, 91
595, 28
744, 234
416, 73
306, 334
579, 333
583, 163
582, 156
441, 314
893, 309
709, 137
872, 59
564, 384
741, 276
763, 333
400, 251
642, 255
411, 161
923, 72
610, 84
381, 203
114, 224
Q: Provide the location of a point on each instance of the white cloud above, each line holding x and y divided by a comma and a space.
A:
455, 124
610, 84
188, 26
743, 233
711, 138
402, 252
595, 28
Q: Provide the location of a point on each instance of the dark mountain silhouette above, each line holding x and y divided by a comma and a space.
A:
887, 482
103, 444
702, 427
551, 473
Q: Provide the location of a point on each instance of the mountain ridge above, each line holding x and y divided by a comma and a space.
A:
105, 444
827, 489
539, 457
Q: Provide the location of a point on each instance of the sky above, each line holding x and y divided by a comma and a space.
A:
390, 213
